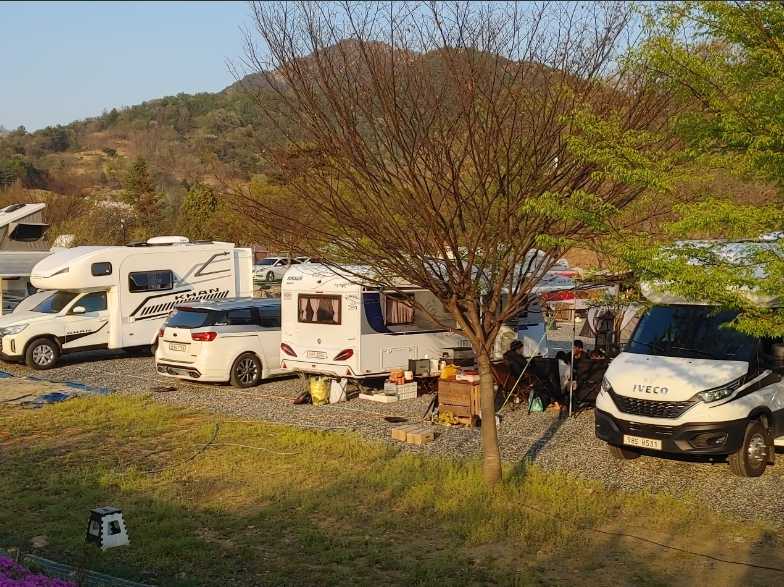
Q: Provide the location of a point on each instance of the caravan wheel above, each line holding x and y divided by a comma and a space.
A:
751, 458
42, 354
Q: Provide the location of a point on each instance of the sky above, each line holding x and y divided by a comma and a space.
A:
63, 61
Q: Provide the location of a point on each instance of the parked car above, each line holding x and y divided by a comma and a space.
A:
272, 268
232, 340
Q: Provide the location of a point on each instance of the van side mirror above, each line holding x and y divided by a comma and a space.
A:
78, 310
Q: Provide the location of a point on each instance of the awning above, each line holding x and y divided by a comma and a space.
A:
19, 263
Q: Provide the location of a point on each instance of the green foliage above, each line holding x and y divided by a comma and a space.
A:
731, 74
140, 192
198, 213
724, 62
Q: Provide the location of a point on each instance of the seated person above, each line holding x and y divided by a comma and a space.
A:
514, 359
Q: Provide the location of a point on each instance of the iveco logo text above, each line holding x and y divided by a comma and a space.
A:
650, 389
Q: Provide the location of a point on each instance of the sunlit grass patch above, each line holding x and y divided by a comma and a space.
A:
210, 500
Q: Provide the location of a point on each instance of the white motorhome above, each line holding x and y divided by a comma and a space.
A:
336, 324
688, 384
118, 296
22, 245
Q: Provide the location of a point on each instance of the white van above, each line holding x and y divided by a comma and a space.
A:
118, 296
687, 384
335, 323
234, 340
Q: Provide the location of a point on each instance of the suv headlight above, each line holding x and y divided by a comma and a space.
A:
721, 392
15, 329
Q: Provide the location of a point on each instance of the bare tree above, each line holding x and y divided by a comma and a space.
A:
461, 146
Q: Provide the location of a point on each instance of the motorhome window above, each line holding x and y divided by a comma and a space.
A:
269, 316
190, 319
55, 303
241, 317
103, 268
319, 309
93, 302
140, 281
692, 332
399, 309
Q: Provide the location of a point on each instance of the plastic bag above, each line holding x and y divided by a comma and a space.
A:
449, 372
535, 404
319, 390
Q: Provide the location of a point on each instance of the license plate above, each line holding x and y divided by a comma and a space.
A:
642, 442
176, 346
316, 355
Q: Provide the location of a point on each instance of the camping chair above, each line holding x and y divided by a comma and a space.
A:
507, 389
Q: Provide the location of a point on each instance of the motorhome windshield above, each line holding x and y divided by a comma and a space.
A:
55, 303
693, 332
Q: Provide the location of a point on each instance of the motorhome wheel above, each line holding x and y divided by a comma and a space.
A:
42, 354
751, 458
621, 453
246, 371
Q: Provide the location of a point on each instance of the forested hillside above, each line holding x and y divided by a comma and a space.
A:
142, 169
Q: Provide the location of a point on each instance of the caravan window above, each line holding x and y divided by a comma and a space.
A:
140, 281
400, 309
319, 309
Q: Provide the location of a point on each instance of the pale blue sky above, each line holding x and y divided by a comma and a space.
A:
62, 61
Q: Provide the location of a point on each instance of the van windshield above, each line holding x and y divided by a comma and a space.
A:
55, 303
692, 332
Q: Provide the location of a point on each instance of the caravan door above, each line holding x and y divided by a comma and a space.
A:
87, 322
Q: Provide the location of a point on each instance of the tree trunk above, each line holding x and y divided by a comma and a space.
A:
491, 463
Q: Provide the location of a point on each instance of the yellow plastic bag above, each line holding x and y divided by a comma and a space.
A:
449, 372
319, 390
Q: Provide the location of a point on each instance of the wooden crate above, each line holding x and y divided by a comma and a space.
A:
460, 393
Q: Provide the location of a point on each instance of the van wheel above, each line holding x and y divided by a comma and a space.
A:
270, 276
751, 458
246, 371
42, 354
622, 454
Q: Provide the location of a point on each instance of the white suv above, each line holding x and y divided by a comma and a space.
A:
235, 340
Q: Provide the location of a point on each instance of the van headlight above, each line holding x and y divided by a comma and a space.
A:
15, 329
605, 387
721, 392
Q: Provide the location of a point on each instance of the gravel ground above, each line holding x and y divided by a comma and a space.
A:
564, 445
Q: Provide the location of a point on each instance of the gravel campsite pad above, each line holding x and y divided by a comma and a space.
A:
566, 445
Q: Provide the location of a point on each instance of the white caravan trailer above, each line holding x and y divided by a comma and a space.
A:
118, 296
22, 245
333, 323
687, 384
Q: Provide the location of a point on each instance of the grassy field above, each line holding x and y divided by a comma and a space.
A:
265, 504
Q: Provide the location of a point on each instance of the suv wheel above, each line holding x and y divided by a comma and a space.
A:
270, 276
42, 354
621, 453
751, 458
246, 371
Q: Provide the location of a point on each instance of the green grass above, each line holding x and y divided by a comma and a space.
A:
306, 507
